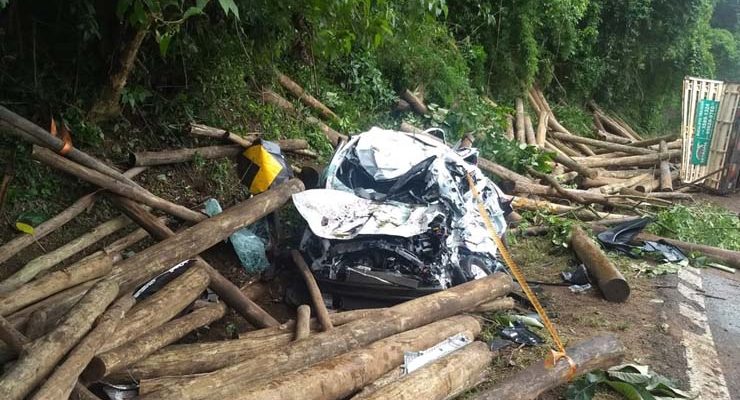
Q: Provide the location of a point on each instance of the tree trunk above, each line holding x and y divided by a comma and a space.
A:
601, 144
654, 141
11, 248
225, 289
198, 358
208, 131
500, 304
509, 127
305, 97
159, 308
94, 267
631, 161
341, 376
268, 96
313, 290
542, 129
565, 149
501, 172
149, 158
302, 322
43, 354
49, 260
616, 187
134, 192
14, 339
121, 357
296, 355
442, 379
609, 137
607, 277
406, 127
529, 131
600, 352
62, 381
521, 135
666, 181
573, 165
416, 104
522, 203
108, 104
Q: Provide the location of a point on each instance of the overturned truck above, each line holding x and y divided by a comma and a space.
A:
396, 219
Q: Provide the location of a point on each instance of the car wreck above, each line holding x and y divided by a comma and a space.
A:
395, 219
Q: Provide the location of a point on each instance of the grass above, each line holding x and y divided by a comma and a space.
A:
702, 223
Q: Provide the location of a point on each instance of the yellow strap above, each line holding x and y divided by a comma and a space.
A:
519, 276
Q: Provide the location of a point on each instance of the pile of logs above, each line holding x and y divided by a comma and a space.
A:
64, 330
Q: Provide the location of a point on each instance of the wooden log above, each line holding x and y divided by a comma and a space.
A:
600, 352
624, 173
575, 166
305, 97
99, 265
542, 128
47, 261
556, 185
159, 308
727, 257
627, 127
43, 354
599, 181
19, 243
521, 135
554, 149
542, 190
631, 161
442, 379
313, 290
616, 187
40, 137
509, 132
565, 149
83, 393
302, 322
36, 325
296, 355
337, 318
655, 140
270, 97
134, 192
225, 289
62, 381
529, 131
583, 148
416, 104
613, 124
523, 203
208, 131
341, 376
607, 277
119, 358
501, 172
666, 181
11, 336
500, 304
401, 105
406, 127
149, 158
601, 144
611, 138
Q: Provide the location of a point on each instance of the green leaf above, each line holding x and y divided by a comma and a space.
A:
191, 12
164, 43
585, 387
229, 6
630, 391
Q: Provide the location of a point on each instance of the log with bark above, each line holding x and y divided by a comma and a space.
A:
442, 379
607, 277
601, 144
630, 161
302, 322
208, 131
134, 192
270, 97
305, 97
529, 131
600, 352
509, 127
313, 290
14, 246
318, 347
341, 376
416, 104
62, 381
39, 358
88, 269
521, 135
225, 289
41, 137
624, 183
47, 261
406, 127
613, 124
556, 185
611, 138
149, 158
119, 358
160, 307
541, 133
671, 138
523, 188
523, 203
563, 148
666, 181
500, 304
573, 165
501, 172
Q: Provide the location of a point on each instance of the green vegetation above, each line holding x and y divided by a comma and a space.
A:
703, 223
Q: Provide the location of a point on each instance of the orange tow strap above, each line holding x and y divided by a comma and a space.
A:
65, 136
559, 352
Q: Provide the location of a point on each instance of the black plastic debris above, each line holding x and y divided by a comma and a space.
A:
618, 238
520, 333
578, 275
499, 344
